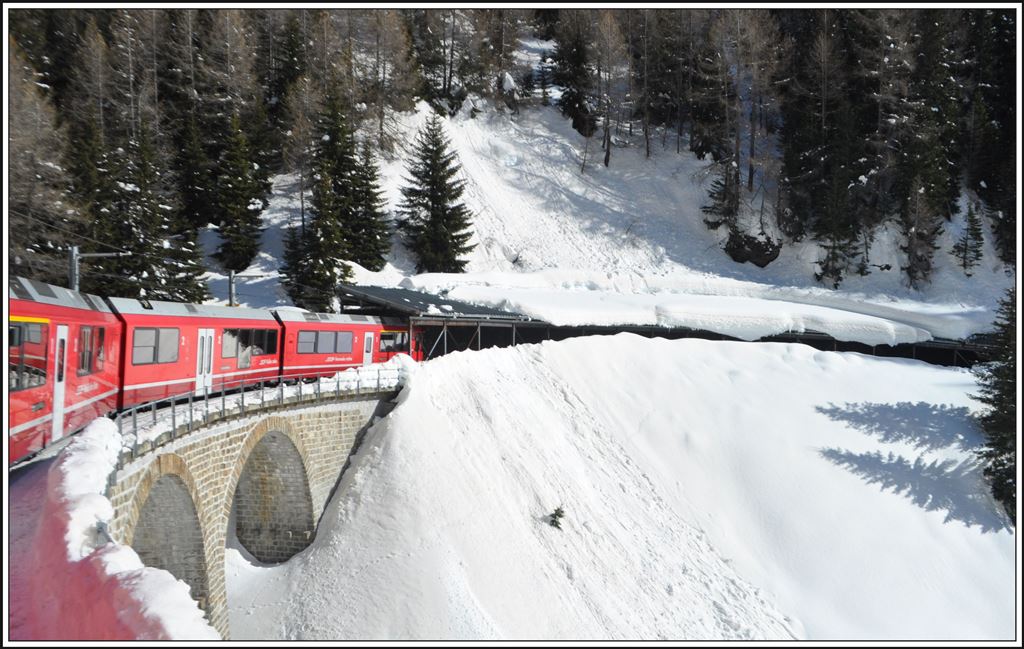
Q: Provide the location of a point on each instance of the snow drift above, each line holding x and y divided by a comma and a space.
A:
712, 491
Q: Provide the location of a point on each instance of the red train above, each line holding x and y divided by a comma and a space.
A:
73, 357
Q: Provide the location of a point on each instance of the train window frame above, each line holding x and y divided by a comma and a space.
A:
299, 342
346, 336
101, 356
21, 374
398, 342
157, 347
85, 351
33, 332
321, 341
224, 346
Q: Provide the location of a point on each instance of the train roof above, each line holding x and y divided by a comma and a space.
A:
129, 306
31, 290
300, 315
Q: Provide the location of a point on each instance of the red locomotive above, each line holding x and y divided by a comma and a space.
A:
73, 357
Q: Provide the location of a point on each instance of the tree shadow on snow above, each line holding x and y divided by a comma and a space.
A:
926, 426
955, 487
948, 486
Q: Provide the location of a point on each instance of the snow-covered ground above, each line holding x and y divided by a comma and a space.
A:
627, 243
711, 490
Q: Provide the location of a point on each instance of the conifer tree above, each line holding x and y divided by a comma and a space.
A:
968, 248
131, 213
315, 257
921, 226
436, 222
997, 383
240, 200
40, 210
572, 72
313, 272
369, 235
544, 79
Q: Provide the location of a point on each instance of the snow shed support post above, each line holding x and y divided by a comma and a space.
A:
478, 336
444, 331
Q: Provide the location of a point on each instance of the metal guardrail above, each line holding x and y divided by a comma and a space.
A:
229, 400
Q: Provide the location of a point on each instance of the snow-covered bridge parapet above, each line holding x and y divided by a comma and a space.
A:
260, 477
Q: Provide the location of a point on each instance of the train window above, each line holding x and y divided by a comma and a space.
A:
244, 347
167, 346
27, 356
259, 342
325, 342
60, 360
271, 341
85, 351
307, 342
154, 346
344, 344
100, 354
394, 342
229, 344
144, 347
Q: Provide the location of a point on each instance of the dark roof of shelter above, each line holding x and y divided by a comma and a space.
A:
424, 305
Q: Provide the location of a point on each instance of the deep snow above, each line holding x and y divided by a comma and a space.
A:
711, 490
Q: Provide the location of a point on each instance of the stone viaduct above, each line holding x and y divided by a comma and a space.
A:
264, 477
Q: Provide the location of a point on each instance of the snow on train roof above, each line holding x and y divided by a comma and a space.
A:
21, 288
129, 306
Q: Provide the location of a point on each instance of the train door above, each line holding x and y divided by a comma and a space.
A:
368, 348
59, 381
204, 361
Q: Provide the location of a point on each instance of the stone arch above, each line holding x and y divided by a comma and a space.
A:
271, 503
166, 531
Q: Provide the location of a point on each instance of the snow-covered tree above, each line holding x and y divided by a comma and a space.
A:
436, 222
967, 249
997, 383
41, 216
241, 200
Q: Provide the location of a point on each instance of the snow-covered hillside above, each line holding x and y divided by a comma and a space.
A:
632, 229
711, 490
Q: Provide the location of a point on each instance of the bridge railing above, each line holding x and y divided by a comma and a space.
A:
149, 426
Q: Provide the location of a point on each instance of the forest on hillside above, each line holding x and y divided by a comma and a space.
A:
132, 129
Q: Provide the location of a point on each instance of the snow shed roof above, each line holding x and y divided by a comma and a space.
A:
129, 306
21, 288
424, 305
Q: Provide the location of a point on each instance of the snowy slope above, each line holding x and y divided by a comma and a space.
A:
631, 229
711, 490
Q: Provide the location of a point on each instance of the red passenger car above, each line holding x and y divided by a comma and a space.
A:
171, 349
321, 344
63, 355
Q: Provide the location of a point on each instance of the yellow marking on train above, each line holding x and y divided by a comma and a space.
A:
21, 318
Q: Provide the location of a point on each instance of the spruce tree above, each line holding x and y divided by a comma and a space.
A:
572, 72
997, 382
315, 257
370, 237
131, 211
240, 200
544, 79
436, 223
921, 226
968, 248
